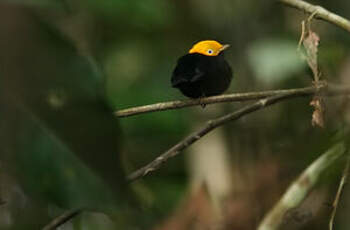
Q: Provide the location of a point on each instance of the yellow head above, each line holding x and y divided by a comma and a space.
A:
208, 48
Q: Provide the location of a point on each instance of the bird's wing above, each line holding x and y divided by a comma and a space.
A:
189, 77
197, 76
175, 82
186, 71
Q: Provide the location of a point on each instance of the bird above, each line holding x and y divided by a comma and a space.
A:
203, 71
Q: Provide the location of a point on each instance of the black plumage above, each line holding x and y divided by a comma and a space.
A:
197, 75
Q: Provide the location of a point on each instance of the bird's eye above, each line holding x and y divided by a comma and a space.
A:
210, 51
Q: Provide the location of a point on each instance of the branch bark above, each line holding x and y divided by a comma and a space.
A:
339, 191
319, 12
299, 189
60, 220
211, 125
222, 98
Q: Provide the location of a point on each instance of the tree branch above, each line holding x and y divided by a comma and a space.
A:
222, 98
299, 189
60, 220
211, 125
339, 191
319, 12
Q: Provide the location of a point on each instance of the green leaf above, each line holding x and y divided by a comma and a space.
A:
274, 60
59, 137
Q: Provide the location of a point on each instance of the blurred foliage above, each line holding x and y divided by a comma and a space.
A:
274, 60
66, 65
151, 12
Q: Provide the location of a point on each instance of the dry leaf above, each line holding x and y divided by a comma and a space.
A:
311, 43
317, 115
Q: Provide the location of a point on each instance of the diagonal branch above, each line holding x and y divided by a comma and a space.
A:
319, 12
60, 220
211, 125
222, 98
300, 188
339, 192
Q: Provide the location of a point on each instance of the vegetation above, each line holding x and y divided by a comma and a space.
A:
271, 153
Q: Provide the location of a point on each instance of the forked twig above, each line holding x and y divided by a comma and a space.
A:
211, 125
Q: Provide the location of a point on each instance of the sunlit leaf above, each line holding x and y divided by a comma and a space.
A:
274, 60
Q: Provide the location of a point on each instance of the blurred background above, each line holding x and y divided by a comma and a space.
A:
66, 65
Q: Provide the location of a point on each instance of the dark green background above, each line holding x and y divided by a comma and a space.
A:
66, 65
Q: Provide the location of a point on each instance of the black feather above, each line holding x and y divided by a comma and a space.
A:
197, 75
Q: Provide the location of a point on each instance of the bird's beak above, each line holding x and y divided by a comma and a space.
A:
224, 47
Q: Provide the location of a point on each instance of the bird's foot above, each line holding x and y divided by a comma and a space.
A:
202, 103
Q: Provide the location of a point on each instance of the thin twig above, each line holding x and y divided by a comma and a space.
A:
211, 125
300, 188
319, 12
222, 98
208, 100
60, 220
302, 37
340, 189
